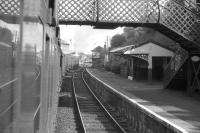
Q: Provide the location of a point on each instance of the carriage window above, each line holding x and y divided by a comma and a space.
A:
31, 65
9, 41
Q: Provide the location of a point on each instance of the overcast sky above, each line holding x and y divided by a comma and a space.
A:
85, 38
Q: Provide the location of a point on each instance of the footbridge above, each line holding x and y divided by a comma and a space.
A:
177, 19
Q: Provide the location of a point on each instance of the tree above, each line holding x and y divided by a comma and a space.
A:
136, 35
117, 40
139, 35
143, 34
131, 35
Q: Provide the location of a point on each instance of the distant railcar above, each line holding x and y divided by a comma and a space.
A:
70, 61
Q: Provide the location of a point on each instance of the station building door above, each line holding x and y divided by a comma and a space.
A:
158, 66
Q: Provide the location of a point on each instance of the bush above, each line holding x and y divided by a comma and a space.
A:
116, 69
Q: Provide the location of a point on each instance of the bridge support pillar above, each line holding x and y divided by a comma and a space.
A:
193, 74
150, 69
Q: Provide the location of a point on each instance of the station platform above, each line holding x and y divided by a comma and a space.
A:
176, 107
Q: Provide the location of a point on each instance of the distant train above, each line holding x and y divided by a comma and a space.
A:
69, 62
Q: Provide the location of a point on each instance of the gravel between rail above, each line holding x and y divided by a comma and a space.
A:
66, 119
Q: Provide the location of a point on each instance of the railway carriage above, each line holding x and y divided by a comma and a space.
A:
70, 61
30, 67
29, 78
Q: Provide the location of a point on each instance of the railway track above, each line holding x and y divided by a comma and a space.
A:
93, 116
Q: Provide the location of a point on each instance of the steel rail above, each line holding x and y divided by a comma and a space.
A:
102, 106
77, 106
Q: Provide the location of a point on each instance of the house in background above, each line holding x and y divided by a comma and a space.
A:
98, 56
145, 61
85, 60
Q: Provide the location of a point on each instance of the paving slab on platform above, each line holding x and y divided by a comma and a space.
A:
175, 106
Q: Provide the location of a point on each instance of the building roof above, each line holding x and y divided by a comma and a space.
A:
150, 49
123, 49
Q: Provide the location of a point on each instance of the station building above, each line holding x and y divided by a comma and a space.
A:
144, 61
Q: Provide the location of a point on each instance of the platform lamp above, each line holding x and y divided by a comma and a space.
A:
195, 58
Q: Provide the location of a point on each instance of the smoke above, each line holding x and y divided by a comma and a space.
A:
85, 38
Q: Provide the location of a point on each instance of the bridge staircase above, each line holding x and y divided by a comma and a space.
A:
175, 72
